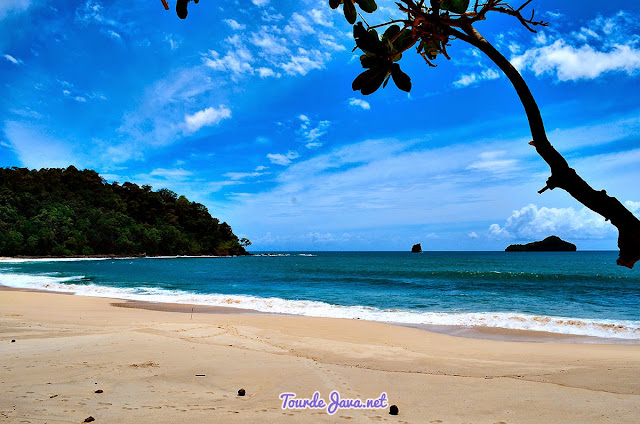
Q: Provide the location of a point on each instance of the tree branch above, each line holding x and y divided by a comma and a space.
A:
562, 175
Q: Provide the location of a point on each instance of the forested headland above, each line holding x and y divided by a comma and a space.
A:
67, 212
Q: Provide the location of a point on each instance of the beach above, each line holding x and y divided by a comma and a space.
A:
172, 365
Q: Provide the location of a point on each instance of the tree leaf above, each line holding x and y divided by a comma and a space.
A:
404, 41
402, 80
390, 33
386, 81
369, 61
368, 41
456, 6
370, 80
334, 3
432, 47
368, 6
350, 11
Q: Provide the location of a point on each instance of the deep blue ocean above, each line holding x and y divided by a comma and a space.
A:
583, 293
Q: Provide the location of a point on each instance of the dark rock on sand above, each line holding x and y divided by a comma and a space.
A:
241, 392
89, 419
99, 391
393, 410
550, 244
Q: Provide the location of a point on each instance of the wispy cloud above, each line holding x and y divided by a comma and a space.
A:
282, 159
173, 40
13, 7
92, 13
242, 175
171, 174
36, 149
311, 131
234, 25
494, 162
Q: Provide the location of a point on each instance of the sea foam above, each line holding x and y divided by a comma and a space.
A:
619, 329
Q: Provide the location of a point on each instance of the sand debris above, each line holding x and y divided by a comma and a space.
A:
148, 364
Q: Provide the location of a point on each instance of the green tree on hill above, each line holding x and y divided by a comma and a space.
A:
63, 212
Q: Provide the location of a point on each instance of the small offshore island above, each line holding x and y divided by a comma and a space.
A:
70, 213
550, 244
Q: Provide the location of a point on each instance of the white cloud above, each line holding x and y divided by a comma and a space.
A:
280, 159
12, 59
298, 24
320, 17
273, 48
269, 43
267, 72
207, 117
330, 42
634, 207
473, 78
472, 235
235, 25
13, 7
235, 61
271, 17
260, 3
304, 62
569, 63
532, 223
604, 45
313, 145
359, 103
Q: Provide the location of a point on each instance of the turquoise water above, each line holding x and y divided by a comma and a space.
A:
581, 293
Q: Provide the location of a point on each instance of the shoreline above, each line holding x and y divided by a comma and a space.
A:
157, 366
472, 332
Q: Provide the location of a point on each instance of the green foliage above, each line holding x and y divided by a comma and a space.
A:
349, 8
380, 56
64, 212
455, 6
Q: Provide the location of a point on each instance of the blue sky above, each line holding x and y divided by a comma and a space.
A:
247, 107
